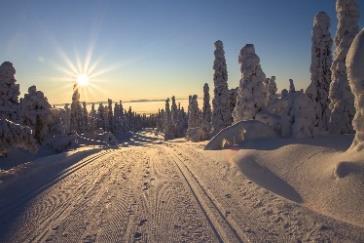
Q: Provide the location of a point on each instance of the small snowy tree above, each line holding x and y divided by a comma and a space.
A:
292, 88
321, 60
354, 64
92, 118
110, 117
66, 117
36, 113
101, 117
85, 126
9, 92
76, 122
168, 127
271, 90
194, 130
341, 98
251, 97
221, 116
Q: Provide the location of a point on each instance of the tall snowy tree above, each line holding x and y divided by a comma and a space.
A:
206, 109
251, 97
76, 121
174, 111
221, 116
354, 64
341, 98
9, 92
36, 113
321, 61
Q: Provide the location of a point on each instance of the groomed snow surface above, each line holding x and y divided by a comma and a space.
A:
151, 190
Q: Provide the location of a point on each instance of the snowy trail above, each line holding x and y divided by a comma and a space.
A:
155, 191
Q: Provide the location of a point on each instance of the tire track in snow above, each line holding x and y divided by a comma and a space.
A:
224, 226
40, 213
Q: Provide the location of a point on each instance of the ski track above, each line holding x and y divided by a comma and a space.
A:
155, 191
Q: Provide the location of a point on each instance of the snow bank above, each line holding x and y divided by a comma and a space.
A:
315, 172
355, 67
240, 132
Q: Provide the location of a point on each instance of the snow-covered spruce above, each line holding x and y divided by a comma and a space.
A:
206, 109
206, 112
194, 130
321, 61
271, 87
9, 92
168, 128
341, 98
292, 88
355, 67
251, 96
101, 117
110, 115
76, 121
35, 112
221, 115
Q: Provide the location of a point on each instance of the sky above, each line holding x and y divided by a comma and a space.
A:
151, 49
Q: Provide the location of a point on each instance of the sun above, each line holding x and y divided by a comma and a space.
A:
82, 80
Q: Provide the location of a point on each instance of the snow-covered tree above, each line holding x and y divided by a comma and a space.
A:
110, 117
85, 120
66, 117
321, 61
206, 109
194, 131
206, 112
174, 111
292, 88
271, 90
251, 97
92, 118
9, 92
233, 93
221, 116
354, 64
341, 98
101, 117
35, 112
76, 121
169, 132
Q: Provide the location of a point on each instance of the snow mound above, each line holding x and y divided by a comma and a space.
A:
240, 132
317, 171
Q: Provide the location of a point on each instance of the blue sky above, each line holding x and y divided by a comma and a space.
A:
153, 49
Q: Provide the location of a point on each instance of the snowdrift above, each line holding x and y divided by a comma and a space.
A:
316, 172
240, 132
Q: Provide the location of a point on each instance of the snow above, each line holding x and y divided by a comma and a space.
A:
275, 190
354, 63
240, 132
341, 98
